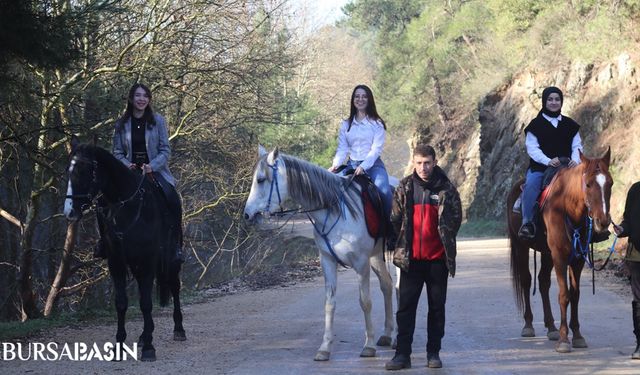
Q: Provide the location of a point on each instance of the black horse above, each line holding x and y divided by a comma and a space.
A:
137, 233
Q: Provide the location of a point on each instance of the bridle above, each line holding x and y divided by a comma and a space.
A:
93, 195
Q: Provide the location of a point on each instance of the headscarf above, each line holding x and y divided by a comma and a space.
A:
545, 95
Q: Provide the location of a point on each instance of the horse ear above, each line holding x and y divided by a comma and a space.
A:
261, 151
583, 159
607, 156
273, 155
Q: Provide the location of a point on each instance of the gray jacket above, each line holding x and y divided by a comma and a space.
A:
157, 141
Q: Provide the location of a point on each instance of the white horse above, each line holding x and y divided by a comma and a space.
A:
335, 208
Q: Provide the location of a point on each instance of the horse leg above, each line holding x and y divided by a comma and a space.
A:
563, 345
386, 286
174, 281
544, 282
330, 270
522, 285
145, 288
364, 273
119, 278
574, 295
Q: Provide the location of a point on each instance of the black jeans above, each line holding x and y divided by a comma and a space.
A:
434, 274
634, 271
174, 204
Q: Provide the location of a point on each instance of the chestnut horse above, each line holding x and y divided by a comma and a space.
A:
577, 201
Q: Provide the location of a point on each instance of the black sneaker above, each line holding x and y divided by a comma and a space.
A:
527, 231
636, 353
433, 360
398, 362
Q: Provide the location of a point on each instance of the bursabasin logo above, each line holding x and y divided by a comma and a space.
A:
78, 351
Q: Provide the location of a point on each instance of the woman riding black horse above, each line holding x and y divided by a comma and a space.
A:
141, 142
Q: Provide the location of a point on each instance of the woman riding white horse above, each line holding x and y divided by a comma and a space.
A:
335, 208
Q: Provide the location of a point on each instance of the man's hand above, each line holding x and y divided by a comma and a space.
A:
572, 163
618, 229
359, 171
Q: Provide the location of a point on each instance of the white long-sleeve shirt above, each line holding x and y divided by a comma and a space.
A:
363, 142
533, 146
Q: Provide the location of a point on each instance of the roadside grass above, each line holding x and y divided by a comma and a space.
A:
482, 229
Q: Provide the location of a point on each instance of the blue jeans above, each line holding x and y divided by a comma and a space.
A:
379, 176
532, 189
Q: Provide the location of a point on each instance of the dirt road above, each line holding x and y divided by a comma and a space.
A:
277, 331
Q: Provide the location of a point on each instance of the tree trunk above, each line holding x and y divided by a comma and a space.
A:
442, 112
63, 269
28, 308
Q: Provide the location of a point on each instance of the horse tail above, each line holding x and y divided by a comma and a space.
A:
519, 253
165, 271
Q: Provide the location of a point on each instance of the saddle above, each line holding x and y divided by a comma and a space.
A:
377, 221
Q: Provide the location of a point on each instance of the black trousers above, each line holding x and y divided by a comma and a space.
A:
634, 270
174, 204
434, 274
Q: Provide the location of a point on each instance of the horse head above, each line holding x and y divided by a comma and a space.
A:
82, 186
596, 184
269, 186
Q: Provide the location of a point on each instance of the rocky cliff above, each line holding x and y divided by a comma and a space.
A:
484, 152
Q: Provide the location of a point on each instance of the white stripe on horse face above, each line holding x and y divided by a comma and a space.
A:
601, 179
68, 203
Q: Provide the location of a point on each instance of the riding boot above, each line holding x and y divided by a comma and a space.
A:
636, 328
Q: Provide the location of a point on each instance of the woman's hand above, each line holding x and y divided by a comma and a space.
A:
359, 171
332, 169
555, 162
133, 167
572, 163
146, 169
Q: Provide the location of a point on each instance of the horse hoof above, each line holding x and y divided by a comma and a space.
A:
384, 341
563, 347
148, 355
368, 352
528, 332
579, 342
322, 355
554, 335
179, 336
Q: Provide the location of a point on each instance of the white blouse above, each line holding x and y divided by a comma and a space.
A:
363, 142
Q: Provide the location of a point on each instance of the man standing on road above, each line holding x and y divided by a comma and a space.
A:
426, 216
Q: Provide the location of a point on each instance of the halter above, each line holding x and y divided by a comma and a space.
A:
323, 233
94, 181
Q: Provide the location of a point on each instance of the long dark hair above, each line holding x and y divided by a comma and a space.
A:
371, 110
148, 117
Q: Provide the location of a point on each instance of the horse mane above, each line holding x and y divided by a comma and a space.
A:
318, 187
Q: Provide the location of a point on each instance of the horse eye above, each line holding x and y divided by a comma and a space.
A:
261, 180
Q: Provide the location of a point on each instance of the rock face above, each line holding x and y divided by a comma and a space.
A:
485, 154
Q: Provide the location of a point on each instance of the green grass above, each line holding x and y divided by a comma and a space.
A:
482, 229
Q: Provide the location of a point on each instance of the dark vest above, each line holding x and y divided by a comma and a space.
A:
554, 142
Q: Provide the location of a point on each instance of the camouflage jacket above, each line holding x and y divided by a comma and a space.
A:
449, 219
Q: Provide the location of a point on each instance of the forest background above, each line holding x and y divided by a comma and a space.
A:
463, 75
